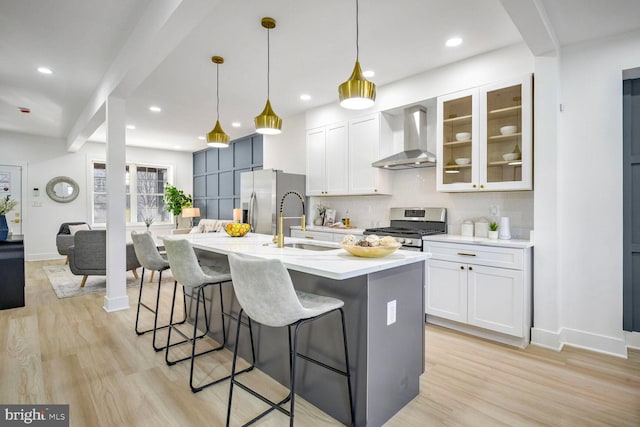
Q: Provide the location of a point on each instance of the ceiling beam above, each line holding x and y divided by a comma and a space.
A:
530, 17
162, 27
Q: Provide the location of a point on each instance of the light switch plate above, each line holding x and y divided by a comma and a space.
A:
391, 312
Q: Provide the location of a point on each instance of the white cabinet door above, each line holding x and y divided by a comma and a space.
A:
446, 290
458, 136
316, 183
496, 299
364, 149
337, 159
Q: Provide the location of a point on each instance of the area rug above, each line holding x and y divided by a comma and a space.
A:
66, 284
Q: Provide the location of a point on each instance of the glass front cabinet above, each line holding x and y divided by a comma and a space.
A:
485, 138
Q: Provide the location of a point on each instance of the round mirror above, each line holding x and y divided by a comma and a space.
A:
62, 189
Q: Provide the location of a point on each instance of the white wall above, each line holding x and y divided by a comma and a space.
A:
589, 192
46, 158
287, 150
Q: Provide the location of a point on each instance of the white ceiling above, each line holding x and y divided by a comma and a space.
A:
93, 44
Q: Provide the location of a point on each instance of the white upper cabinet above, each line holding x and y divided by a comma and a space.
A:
327, 160
485, 138
366, 134
339, 158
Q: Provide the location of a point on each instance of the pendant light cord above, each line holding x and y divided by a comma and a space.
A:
217, 92
268, 60
357, 32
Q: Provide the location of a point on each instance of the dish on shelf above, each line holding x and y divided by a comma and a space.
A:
510, 156
463, 161
370, 251
508, 130
463, 136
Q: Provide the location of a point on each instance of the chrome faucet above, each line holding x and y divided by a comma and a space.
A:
281, 218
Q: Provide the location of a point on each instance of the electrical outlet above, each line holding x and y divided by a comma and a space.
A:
391, 312
494, 210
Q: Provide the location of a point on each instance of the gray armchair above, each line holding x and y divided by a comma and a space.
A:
64, 238
88, 255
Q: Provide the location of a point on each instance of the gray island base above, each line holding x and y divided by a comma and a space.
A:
384, 313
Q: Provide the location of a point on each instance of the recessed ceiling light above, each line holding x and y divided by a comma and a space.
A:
201, 138
131, 127
155, 109
454, 41
305, 97
45, 70
236, 124
176, 146
369, 73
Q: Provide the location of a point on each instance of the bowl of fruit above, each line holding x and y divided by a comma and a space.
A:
371, 246
237, 229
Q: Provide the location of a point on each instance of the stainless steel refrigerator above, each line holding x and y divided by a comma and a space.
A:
261, 193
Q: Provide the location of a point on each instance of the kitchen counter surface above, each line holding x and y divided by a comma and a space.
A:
334, 264
331, 229
456, 238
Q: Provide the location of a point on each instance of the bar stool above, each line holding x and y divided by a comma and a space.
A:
188, 272
266, 294
150, 259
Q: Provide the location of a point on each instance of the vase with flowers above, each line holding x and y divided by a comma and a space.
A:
6, 204
322, 210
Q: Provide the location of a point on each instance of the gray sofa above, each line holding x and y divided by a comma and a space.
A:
88, 255
64, 238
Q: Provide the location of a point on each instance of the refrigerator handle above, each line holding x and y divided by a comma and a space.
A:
250, 214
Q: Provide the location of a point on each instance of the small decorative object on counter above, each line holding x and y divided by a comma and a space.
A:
467, 228
322, 209
329, 217
505, 229
148, 220
481, 227
493, 230
237, 229
6, 204
371, 247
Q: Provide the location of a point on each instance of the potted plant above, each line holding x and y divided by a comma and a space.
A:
493, 230
176, 200
6, 205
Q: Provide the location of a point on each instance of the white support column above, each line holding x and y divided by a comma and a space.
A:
116, 297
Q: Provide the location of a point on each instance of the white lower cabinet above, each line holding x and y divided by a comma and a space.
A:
321, 235
481, 290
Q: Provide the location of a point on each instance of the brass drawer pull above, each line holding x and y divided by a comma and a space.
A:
465, 254
308, 237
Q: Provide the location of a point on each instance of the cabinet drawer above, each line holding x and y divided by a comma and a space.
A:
476, 254
312, 235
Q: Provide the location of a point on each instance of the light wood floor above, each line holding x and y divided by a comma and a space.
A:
72, 351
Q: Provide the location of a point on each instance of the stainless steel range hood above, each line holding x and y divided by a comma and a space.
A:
415, 154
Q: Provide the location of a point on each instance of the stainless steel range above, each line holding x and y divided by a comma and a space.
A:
408, 225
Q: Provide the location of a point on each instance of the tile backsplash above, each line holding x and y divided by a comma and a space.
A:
416, 188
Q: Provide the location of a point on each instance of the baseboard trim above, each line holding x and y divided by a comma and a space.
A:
479, 332
116, 304
580, 339
632, 339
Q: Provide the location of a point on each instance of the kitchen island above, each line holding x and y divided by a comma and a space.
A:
384, 312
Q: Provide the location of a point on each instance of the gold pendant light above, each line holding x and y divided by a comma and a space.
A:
217, 137
268, 122
357, 93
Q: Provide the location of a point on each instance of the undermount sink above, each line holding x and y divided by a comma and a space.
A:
309, 246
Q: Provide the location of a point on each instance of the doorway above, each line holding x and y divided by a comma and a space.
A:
11, 185
631, 199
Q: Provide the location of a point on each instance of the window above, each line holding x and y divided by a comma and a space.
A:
144, 193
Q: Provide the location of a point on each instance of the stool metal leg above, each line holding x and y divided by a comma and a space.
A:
293, 355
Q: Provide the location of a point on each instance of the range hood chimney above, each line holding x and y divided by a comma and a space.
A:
415, 154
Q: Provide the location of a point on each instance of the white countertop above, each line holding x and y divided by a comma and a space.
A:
484, 241
335, 264
330, 229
